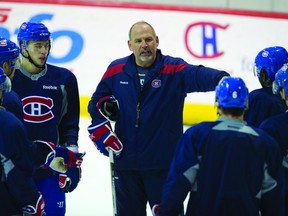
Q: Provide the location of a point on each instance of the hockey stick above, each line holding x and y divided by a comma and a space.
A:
111, 159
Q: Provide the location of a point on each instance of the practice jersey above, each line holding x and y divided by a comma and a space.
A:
16, 168
51, 106
263, 104
229, 168
151, 117
277, 127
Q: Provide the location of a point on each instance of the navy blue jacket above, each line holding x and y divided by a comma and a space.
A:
151, 120
229, 168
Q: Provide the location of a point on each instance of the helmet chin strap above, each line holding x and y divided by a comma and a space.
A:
32, 62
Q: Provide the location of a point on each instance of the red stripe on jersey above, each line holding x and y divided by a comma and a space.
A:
172, 69
111, 71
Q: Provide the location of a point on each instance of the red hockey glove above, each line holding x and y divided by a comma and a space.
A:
69, 180
64, 159
35, 210
104, 139
70, 158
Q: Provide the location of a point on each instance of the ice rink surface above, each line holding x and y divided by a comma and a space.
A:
93, 196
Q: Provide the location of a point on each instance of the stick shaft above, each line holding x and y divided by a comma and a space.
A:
111, 158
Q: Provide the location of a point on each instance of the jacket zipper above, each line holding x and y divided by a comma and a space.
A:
137, 114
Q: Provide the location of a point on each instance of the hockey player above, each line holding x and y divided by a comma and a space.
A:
262, 102
277, 126
150, 88
9, 60
228, 168
19, 193
50, 99
18, 158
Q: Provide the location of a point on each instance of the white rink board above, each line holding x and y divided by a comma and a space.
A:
104, 33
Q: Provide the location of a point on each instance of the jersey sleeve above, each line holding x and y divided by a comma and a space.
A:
198, 78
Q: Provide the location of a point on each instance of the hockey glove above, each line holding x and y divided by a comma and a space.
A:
35, 210
65, 158
61, 158
69, 181
70, 158
108, 107
104, 139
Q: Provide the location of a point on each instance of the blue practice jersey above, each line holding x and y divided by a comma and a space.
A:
277, 127
229, 168
263, 104
16, 168
50, 103
51, 106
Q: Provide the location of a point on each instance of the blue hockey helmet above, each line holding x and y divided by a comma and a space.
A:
232, 92
9, 51
271, 60
281, 80
5, 83
33, 31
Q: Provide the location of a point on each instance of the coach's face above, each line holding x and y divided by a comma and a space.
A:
143, 43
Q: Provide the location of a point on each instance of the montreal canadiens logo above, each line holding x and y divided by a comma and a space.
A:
265, 53
156, 83
37, 109
3, 43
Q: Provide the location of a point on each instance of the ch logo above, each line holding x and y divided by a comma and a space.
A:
37, 109
207, 32
156, 83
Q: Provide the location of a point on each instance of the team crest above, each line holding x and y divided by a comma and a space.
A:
3, 43
265, 53
156, 83
37, 109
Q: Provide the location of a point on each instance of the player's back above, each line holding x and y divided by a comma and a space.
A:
263, 104
277, 127
13, 153
231, 177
